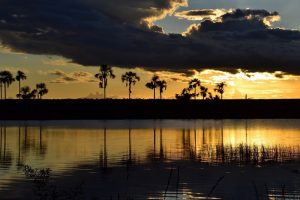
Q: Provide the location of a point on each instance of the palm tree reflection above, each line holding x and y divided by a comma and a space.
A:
29, 142
129, 161
189, 148
154, 141
19, 147
103, 153
42, 147
5, 154
161, 147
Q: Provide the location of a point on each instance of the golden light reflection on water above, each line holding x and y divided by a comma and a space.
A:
64, 148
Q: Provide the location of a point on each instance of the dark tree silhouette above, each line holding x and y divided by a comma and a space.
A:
105, 72
130, 78
220, 88
7, 79
19, 77
210, 96
153, 84
193, 84
1, 86
162, 85
41, 90
27, 93
203, 91
185, 94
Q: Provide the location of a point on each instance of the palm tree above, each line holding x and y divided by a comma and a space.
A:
7, 79
210, 96
220, 88
203, 92
19, 77
105, 72
193, 84
185, 94
1, 86
41, 89
26, 93
130, 78
153, 84
162, 85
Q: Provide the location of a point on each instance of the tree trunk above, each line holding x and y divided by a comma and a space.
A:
195, 93
160, 95
4, 91
19, 88
130, 91
1, 90
154, 92
104, 95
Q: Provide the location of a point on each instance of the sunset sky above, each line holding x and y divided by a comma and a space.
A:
252, 45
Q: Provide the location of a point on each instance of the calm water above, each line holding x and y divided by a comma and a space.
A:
168, 159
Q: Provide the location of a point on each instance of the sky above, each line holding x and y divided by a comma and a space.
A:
252, 45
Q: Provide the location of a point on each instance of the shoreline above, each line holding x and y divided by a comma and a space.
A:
88, 109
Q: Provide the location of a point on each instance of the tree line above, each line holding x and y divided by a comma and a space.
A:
25, 92
193, 90
131, 78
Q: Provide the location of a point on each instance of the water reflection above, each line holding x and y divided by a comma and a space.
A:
5, 153
157, 159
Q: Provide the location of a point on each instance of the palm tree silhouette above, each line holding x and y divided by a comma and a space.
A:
1, 86
162, 85
193, 84
203, 91
153, 84
130, 78
105, 72
19, 77
26, 93
185, 94
7, 79
210, 96
220, 88
41, 90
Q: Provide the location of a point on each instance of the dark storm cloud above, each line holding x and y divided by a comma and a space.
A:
204, 12
199, 14
121, 33
246, 13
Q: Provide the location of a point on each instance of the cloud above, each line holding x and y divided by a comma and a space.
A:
15, 69
7, 50
73, 77
252, 15
57, 73
121, 33
202, 14
56, 62
238, 21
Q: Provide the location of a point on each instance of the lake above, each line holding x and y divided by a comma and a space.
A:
150, 159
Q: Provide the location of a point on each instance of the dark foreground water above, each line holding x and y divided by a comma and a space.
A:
168, 159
